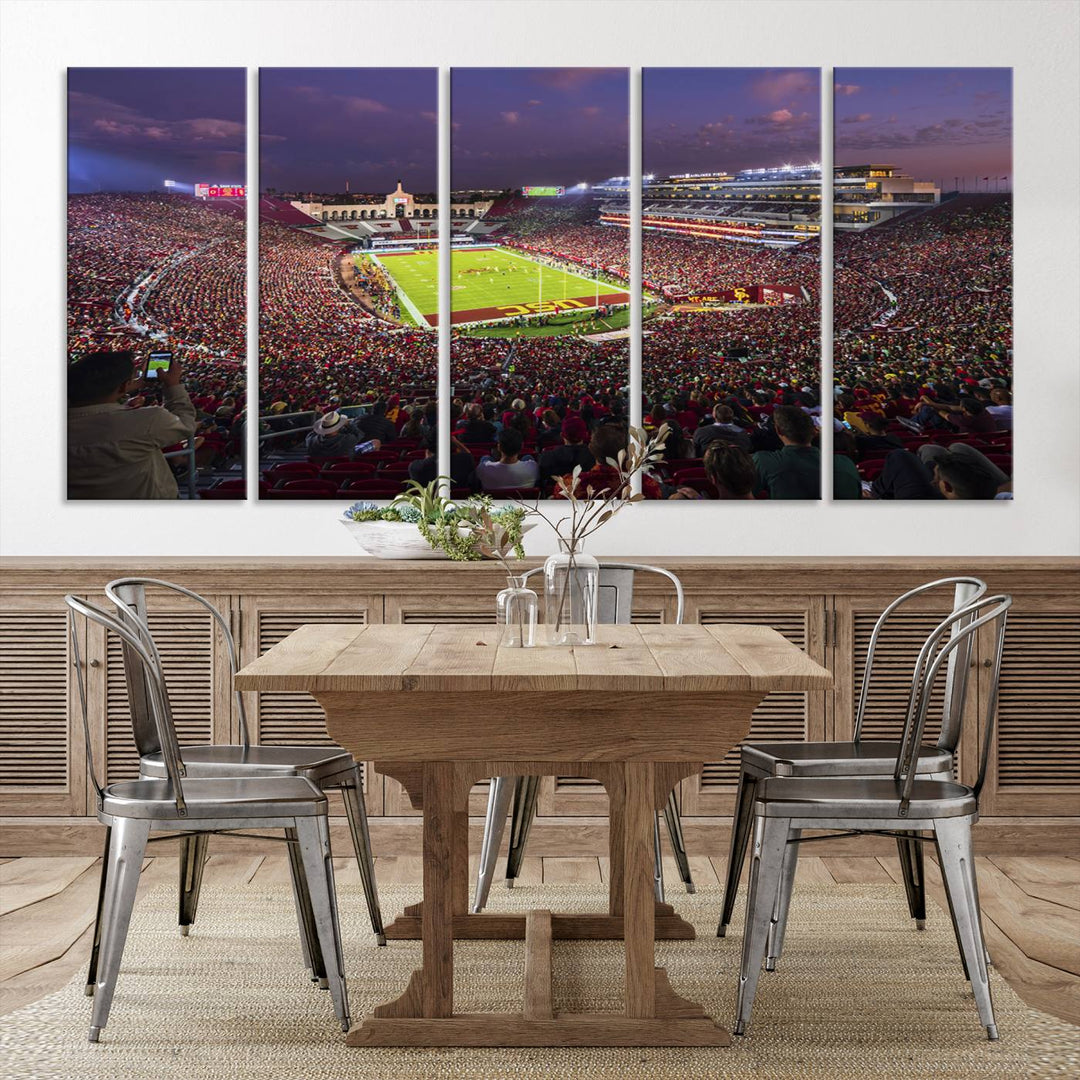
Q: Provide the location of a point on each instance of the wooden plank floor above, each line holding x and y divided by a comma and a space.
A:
1031, 910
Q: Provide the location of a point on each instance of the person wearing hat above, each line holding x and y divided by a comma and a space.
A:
332, 435
560, 460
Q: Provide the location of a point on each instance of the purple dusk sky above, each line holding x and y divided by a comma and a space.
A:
514, 127
319, 127
726, 119
129, 129
935, 123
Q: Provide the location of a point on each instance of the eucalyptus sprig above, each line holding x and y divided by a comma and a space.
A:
593, 507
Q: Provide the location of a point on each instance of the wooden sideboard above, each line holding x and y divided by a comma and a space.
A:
825, 605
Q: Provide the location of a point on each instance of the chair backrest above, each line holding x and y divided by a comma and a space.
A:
147, 666
956, 632
616, 590
966, 590
129, 597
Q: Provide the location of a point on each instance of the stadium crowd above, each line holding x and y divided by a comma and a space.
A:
922, 369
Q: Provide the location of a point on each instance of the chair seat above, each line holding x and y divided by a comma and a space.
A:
222, 797
224, 759
847, 797
863, 758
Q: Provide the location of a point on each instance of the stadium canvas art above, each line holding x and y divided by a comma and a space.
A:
156, 283
348, 281
923, 282
731, 254
539, 277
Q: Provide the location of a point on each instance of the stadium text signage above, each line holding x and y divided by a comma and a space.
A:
212, 191
533, 192
539, 307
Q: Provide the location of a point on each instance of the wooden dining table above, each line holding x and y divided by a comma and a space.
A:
441, 707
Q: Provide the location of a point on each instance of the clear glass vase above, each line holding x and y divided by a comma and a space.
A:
571, 585
515, 608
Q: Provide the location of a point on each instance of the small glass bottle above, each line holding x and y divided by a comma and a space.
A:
515, 609
571, 588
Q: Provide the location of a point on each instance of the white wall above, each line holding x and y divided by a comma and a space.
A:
1039, 39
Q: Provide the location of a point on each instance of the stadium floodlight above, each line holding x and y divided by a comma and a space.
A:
170, 183
815, 164
649, 177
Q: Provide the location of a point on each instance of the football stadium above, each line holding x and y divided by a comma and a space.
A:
489, 283
922, 302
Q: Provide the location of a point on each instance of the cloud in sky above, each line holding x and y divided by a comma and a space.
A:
934, 123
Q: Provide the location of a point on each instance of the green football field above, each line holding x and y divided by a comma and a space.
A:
492, 283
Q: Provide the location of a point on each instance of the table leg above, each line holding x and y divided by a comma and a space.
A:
639, 916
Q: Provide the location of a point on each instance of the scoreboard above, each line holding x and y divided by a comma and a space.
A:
213, 191
533, 192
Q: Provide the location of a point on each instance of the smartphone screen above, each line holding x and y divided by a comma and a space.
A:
158, 362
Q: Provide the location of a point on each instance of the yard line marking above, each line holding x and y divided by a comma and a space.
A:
559, 269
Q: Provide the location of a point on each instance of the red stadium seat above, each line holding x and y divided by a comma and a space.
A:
395, 469
326, 486
281, 493
229, 489
871, 470
377, 457
372, 488
347, 470
293, 469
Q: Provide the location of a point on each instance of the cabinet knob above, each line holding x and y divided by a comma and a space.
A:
95, 663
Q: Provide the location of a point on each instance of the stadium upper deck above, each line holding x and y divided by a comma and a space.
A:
778, 207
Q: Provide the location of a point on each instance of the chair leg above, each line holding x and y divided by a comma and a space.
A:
741, 826
911, 865
95, 949
658, 862
309, 942
953, 838
313, 834
678, 845
766, 865
526, 791
353, 792
783, 900
499, 795
192, 862
126, 850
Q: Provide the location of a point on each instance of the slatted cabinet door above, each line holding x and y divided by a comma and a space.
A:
1035, 761
782, 716
197, 675
283, 718
42, 756
895, 655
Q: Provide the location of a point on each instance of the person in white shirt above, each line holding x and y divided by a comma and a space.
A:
510, 470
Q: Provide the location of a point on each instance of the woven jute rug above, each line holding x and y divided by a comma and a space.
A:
859, 994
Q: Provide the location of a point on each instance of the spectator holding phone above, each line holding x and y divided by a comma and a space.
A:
115, 451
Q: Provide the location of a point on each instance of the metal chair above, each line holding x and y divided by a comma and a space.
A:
901, 805
866, 758
178, 805
327, 767
616, 593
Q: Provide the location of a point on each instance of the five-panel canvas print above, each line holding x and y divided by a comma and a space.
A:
734, 199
